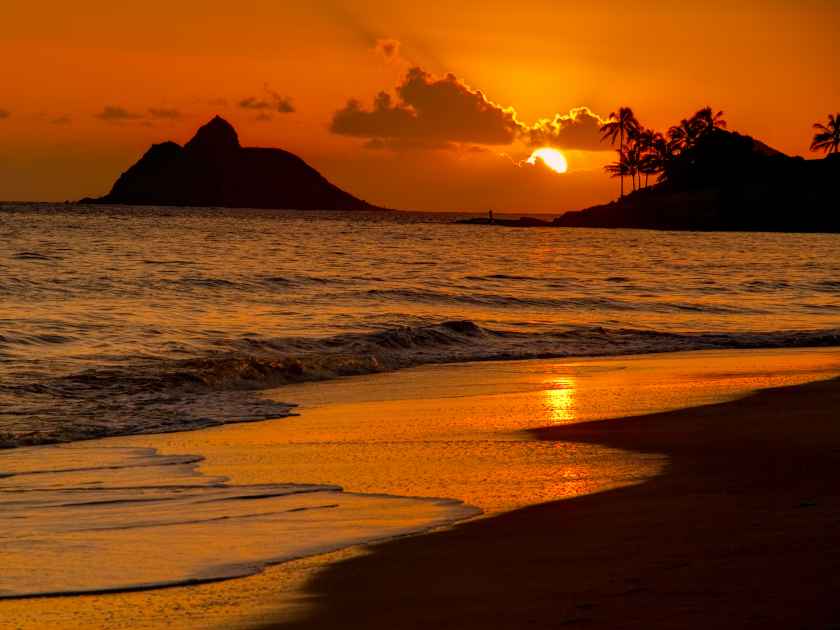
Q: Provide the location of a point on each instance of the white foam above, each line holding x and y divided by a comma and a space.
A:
86, 519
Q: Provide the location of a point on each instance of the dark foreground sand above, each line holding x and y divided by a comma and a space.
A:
741, 531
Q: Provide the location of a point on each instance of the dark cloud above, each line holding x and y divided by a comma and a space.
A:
272, 101
114, 113
580, 129
438, 112
164, 113
4, 113
263, 117
432, 110
388, 48
61, 120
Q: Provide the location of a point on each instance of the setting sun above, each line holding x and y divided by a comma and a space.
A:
552, 158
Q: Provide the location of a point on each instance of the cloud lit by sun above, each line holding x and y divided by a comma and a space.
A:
552, 158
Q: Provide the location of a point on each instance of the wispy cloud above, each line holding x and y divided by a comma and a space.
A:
272, 101
115, 113
164, 113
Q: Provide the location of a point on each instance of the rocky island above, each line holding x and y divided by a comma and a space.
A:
213, 170
706, 178
728, 182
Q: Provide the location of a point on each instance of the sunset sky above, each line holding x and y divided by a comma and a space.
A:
472, 88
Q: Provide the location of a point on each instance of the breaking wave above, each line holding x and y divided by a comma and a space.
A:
155, 395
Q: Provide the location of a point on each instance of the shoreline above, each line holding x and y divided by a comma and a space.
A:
738, 531
374, 407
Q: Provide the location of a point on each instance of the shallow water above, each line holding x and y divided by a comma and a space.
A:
450, 430
83, 518
118, 321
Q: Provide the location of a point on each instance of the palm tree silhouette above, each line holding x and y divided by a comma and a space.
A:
827, 138
707, 121
621, 125
619, 168
683, 136
652, 153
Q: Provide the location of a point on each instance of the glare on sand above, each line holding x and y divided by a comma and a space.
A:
552, 158
455, 431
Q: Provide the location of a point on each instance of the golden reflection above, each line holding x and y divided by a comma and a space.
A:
560, 399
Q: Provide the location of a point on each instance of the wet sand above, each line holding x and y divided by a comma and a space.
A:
653, 540
740, 531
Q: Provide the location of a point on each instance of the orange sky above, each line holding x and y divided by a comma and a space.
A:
163, 68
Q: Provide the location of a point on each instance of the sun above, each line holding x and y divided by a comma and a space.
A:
552, 158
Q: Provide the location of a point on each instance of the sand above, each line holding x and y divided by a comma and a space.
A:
740, 531
700, 516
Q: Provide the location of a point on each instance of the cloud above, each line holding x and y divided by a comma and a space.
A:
389, 49
580, 129
430, 109
61, 120
273, 101
4, 113
164, 113
114, 113
431, 112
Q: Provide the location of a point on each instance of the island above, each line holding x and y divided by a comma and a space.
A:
213, 170
728, 182
725, 181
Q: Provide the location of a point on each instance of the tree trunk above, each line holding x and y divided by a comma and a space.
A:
620, 158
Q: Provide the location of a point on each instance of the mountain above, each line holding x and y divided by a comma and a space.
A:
728, 182
213, 170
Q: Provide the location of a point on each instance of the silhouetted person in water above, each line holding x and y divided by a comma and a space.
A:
490, 214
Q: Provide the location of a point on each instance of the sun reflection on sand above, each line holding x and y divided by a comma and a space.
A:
560, 400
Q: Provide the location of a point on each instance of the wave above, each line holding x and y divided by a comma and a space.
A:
572, 303
175, 523
157, 395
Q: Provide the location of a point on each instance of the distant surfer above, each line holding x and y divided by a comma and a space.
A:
490, 214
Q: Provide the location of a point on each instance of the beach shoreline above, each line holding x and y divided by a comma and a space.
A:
511, 548
739, 531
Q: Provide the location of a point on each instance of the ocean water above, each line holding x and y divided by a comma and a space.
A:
140, 320
83, 518
137, 321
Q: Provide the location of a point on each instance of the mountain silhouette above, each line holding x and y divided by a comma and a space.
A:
213, 169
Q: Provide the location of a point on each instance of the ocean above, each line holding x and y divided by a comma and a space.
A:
142, 320
118, 322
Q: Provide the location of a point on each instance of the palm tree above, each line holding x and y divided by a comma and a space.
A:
620, 168
662, 156
706, 121
652, 150
633, 158
621, 125
683, 136
827, 138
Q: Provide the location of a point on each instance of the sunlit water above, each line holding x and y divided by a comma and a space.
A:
460, 431
124, 321
128, 321
148, 320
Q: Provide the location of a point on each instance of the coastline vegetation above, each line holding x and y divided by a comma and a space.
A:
644, 152
827, 138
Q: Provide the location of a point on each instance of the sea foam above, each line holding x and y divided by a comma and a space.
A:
83, 518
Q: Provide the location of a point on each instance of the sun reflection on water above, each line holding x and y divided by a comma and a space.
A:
560, 399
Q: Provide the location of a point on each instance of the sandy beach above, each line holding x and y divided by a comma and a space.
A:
740, 531
676, 519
